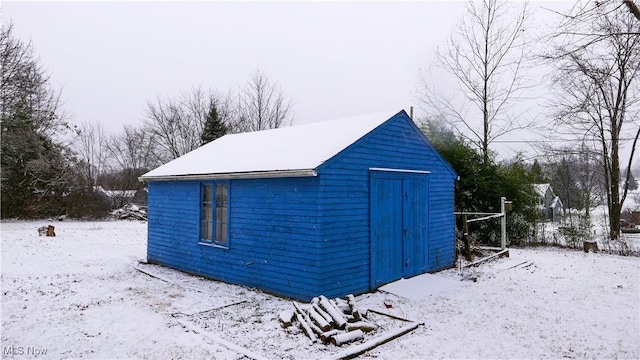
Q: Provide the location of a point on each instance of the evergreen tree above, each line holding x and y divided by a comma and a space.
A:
35, 171
537, 173
565, 184
214, 127
481, 185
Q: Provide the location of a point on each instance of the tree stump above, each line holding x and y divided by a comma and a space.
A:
590, 245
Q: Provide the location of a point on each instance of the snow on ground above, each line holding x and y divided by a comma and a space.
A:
629, 243
78, 295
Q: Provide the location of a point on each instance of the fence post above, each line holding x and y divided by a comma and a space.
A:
503, 230
465, 237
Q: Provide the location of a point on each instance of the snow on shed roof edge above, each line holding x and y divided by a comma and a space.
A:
289, 151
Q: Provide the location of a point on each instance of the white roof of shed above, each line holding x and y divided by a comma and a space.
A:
541, 189
288, 150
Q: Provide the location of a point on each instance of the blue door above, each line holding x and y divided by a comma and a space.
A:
415, 218
399, 226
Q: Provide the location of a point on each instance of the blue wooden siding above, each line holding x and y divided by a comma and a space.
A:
386, 229
416, 225
273, 234
301, 237
344, 205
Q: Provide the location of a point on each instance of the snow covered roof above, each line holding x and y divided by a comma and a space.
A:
115, 193
291, 151
541, 189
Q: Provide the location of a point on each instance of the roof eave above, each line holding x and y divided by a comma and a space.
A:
235, 175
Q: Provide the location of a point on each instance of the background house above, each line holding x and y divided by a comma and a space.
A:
117, 198
326, 208
548, 202
120, 198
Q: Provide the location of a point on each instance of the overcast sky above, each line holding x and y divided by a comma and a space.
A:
333, 59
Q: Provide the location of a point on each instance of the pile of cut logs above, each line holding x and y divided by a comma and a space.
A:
336, 321
130, 212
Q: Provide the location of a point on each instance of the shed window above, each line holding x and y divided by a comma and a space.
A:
214, 214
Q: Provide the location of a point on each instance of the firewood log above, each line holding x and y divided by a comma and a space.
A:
346, 337
318, 320
351, 300
322, 313
325, 337
313, 326
304, 323
356, 350
341, 305
361, 325
338, 319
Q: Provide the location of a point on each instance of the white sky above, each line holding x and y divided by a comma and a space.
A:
333, 59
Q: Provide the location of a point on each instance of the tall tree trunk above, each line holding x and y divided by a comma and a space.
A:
615, 208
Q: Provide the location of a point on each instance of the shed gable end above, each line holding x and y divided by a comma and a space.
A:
346, 210
398, 135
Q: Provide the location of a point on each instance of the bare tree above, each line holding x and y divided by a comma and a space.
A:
633, 8
261, 105
178, 123
91, 147
133, 153
597, 58
576, 176
486, 56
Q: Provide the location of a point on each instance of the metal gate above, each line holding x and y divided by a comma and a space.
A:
399, 202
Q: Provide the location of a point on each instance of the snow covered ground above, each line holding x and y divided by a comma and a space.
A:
78, 295
629, 243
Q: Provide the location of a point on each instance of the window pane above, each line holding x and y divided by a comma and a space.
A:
224, 232
206, 213
221, 195
219, 239
206, 231
221, 213
206, 193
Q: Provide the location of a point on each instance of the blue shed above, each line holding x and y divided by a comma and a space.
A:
328, 208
